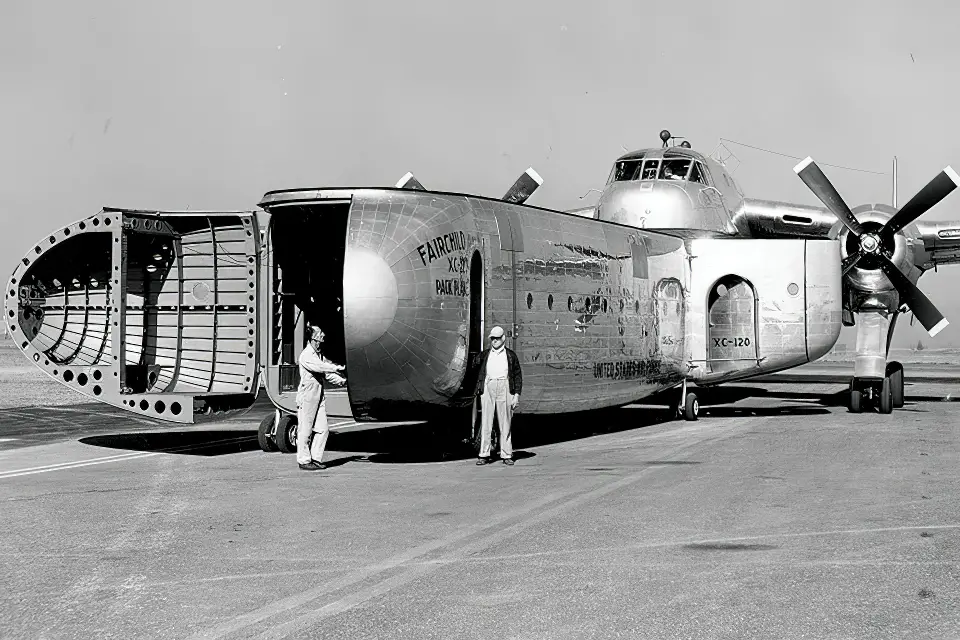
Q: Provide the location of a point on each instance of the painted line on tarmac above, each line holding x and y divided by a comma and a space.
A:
122, 457
411, 567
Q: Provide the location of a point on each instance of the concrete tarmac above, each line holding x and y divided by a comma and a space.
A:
777, 515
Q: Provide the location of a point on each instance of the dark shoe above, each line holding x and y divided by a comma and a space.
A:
483, 461
313, 466
508, 461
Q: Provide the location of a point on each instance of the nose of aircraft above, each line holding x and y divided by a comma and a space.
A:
369, 297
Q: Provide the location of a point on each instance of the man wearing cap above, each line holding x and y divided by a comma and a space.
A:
312, 427
499, 382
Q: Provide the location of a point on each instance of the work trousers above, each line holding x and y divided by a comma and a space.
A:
311, 424
496, 394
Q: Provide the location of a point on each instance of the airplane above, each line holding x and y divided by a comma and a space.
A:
181, 315
884, 250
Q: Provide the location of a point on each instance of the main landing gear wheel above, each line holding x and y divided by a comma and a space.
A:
886, 397
878, 392
265, 433
691, 406
286, 436
895, 373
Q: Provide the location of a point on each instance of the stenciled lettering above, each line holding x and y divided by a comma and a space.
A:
627, 369
452, 287
731, 342
440, 246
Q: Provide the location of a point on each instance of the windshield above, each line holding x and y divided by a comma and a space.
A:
626, 170
674, 169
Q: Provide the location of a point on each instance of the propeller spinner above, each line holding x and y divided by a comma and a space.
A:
874, 243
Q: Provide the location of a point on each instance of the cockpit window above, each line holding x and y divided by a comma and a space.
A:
696, 174
650, 170
674, 169
626, 170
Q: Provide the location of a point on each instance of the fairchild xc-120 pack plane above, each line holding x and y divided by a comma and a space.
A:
673, 277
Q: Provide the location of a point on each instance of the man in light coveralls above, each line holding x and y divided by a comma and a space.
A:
311, 403
499, 382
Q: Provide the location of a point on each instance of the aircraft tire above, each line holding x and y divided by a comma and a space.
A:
886, 396
895, 373
856, 399
691, 406
287, 434
265, 434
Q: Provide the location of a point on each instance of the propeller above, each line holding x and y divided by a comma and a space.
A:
409, 182
519, 193
524, 187
874, 243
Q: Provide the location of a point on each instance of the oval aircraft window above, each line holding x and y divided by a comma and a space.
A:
529, 300
550, 302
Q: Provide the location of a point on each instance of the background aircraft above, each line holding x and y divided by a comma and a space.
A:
884, 249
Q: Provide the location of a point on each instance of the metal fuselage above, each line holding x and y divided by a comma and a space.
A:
699, 195
179, 315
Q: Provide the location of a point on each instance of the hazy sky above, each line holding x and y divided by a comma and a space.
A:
210, 104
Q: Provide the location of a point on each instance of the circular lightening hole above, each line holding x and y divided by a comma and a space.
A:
159, 407
82, 379
96, 222
106, 221
36, 357
97, 390
38, 249
53, 240
792, 288
175, 408
68, 375
144, 405
97, 374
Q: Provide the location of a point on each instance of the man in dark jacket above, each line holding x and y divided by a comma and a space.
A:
499, 382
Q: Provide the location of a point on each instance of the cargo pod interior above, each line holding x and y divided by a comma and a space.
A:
307, 245
151, 311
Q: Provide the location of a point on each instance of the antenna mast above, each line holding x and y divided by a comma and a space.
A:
894, 182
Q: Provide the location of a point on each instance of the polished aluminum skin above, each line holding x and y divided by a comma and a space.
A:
881, 260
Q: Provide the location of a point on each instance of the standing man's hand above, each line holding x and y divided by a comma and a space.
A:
514, 401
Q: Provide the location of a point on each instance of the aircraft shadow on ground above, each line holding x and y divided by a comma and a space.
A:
192, 443
441, 441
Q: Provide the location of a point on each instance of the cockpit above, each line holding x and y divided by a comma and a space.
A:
682, 169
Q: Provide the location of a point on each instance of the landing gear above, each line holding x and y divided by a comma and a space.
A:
871, 391
895, 373
689, 406
265, 433
286, 434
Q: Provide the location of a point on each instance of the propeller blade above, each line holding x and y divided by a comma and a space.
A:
850, 262
524, 187
925, 199
821, 186
409, 182
924, 310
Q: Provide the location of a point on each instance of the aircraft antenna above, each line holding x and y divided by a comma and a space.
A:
894, 182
